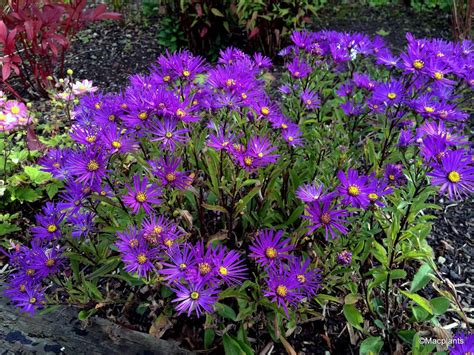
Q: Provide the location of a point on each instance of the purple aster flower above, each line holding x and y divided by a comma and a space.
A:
463, 344
394, 174
45, 261
309, 280
166, 168
261, 61
221, 140
73, 198
181, 260
167, 133
283, 288
48, 227
433, 147
312, 193
310, 99
455, 174
406, 138
115, 141
195, 297
363, 81
353, 189
344, 258
88, 167
377, 189
389, 93
302, 39
322, 215
82, 224
298, 68
292, 135
86, 135
138, 259
386, 58
269, 247
54, 162
142, 195
351, 109
258, 153
229, 266
130, 239
31, 299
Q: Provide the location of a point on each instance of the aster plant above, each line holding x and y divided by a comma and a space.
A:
224, 204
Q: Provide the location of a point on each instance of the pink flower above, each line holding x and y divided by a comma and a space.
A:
83, 87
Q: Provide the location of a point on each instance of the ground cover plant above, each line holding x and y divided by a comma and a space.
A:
214, 192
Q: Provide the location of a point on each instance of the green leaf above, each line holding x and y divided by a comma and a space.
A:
379, 253
109, 266
440, 305
216, 12
36, 175
215, 208
6, 228
419, 300
225, 311
422, 277
371, 346
231, 346
209, 335
353, 316
26, 194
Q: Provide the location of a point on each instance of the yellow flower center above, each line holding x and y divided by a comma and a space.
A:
296, 74
391, 177
429, 109
168, 135
260, 155
225, 143
52, 228
22, 288
49, 262
183, 266
141, 258
92, 165
3, 117
265, 110
142, 115
103, 193
204, 268
281, 290
373, 196
353, 190
391, 95
230, 82
454, 176
440, 54
124, 106
186, 73
418, 64
98, 106
91, 139
166, 78
116, 144
194, 295
248, 161
290, 139
325, 218
133, 243
157, 230
33, 300
284, 125
112, 118
15, 110
168, 242
438, 75
141, 197
195, 102
180, 113
309, 102
271, 252
243, 95
170, 177
223, 270
30, 272
301, 279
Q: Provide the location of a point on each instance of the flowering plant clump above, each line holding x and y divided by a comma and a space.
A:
250, 209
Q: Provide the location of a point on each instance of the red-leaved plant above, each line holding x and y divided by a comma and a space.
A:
35, 35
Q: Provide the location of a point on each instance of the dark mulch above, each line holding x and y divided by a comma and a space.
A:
109, 53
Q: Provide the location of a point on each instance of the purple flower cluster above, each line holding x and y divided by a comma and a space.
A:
418, 97
327, 211
196, 273
289, 279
